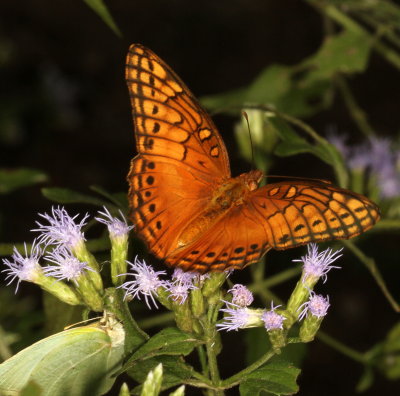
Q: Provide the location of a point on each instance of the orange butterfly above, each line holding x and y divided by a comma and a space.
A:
188, 208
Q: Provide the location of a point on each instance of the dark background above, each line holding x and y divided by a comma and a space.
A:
64, 109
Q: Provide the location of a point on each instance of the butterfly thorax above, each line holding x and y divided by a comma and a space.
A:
232, 192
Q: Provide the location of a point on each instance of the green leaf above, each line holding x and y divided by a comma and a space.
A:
76, 362
152, 385
390, 359
366, 380
270, 84
66, 196
347, 52
303, 89
278, 378
120, 200
101, 10
175, 371
169, 341
13, 179
293, 144
226, 101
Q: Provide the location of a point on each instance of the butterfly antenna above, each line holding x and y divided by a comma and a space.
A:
251, 140
312, 179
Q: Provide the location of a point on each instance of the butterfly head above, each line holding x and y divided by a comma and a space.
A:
252, 179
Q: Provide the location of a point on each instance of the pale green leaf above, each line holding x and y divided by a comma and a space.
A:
77, 362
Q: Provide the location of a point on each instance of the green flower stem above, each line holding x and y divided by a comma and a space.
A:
370, 264
357, 181
344, 349
203, 360
89, 293
299, 296
213, 284
82, 253
238, 377
119, 252
114, 302
58, 289
212, 357
183, 316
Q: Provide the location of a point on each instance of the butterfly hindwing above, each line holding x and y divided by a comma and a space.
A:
233, 242
297, 213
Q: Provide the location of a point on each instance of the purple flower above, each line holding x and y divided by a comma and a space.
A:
241, 295
61, 229
66, 266
116, 227
359, 159
146, 282
317, 265
377, 155
179, 292
184, 277
181, 284
237, 318
24, 268
338, 140
317, 306
272, 320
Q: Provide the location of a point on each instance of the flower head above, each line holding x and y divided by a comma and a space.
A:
317, 265
179, 292
66, 266
241, 295
181, 284
317, 306
116, 227
338, 140
26, 267
184, 277
272, 320
237, 317
146, 281
61, 228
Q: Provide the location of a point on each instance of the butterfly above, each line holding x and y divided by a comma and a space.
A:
188, 208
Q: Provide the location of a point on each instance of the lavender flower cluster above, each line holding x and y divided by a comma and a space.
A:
376, 155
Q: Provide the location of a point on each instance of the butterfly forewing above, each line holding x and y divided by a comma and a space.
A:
181, 155
169, 122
